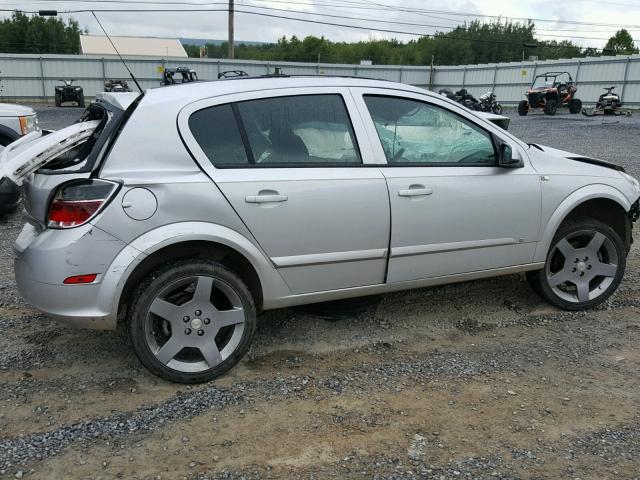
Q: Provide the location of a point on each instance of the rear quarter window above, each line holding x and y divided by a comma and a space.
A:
216, 131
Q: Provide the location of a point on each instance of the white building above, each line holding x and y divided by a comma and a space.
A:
147, 46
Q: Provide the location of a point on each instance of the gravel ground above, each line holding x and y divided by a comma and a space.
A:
468, 381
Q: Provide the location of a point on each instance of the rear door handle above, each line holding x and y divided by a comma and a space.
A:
415, 192
265, 198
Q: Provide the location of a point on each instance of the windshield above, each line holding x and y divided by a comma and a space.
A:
543, 82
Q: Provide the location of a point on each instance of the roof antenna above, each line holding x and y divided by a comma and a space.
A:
114, 47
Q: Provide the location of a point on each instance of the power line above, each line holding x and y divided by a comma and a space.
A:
392, 22
350, 4
262, 14
306, 20
383, 6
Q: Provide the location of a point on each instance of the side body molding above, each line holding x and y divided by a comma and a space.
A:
130, 257
579, 196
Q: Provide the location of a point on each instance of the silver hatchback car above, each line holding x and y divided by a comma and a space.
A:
186, 211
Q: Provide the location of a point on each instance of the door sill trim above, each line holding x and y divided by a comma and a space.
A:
316, 297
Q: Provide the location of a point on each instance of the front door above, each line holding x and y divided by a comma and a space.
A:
292, 169
453, 209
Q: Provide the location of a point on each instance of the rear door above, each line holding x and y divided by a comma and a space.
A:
299, 173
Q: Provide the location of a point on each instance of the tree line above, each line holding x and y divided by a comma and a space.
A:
23, 33
472, 43
469, 43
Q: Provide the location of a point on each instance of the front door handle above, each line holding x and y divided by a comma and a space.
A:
415, 191
271, 198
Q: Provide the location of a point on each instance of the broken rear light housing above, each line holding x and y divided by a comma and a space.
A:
77, 202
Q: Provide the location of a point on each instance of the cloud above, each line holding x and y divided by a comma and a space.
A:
213, 25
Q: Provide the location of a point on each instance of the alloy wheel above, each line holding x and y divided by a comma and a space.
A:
195, 323
582, 266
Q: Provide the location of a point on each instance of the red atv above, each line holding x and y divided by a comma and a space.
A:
549, 91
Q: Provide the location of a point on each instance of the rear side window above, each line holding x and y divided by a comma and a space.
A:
216, 131
304, 130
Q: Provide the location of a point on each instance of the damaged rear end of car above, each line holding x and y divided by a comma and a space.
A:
71, 155
62, 191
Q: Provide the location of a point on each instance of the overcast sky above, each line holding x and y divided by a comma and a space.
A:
213, 25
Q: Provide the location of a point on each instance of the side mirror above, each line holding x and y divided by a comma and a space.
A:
506, 160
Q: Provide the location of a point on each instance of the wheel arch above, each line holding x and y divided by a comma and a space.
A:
194, 249
601, 202
189, 240
8, 134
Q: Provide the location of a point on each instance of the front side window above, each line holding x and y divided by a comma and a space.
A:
303, 130
414, 132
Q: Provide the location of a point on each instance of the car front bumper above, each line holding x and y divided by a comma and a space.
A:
43, 259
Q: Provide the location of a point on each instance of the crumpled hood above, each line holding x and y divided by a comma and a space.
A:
553, 161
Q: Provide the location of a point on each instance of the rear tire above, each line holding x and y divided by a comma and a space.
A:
584, 266
58, 100
191, 321
575, 105
523, 108
550, 106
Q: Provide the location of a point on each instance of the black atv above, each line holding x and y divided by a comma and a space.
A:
550, 91
69, 93
172, 76
608, 103
116, 86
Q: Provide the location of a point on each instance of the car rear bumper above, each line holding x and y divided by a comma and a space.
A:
44, 259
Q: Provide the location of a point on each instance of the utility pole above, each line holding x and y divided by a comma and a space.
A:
230, 42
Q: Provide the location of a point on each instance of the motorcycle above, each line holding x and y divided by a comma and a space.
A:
463, 97
608, 103
489, 103
116, 86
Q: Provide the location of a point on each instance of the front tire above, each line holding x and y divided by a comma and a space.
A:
550, 106
523, 108
191, 321
497, 109
584, 266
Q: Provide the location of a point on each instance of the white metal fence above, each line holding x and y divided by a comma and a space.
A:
34, 76
510, 80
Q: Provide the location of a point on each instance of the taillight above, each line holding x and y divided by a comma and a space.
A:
76, 203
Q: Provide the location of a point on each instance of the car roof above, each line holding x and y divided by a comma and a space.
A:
196, 90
